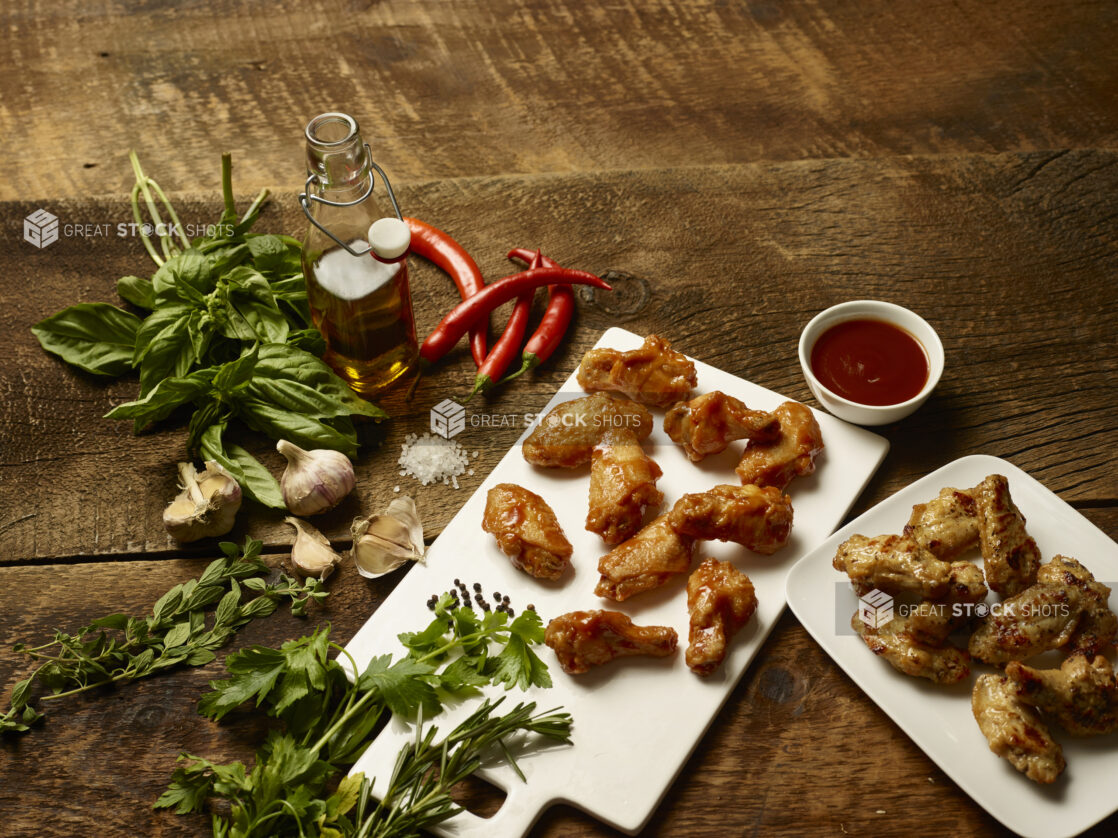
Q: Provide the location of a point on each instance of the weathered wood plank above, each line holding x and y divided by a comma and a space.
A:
780, 759
1011, 257
496, 86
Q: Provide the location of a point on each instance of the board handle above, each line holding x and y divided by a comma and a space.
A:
520, 810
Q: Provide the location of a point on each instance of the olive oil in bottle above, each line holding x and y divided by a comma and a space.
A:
360, 304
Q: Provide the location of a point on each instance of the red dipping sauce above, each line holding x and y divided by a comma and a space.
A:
870, 362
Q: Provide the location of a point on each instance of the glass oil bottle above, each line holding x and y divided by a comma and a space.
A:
360, 304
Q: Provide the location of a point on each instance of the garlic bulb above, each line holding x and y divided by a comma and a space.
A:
381, 543
311, 553
207, 504
314, 481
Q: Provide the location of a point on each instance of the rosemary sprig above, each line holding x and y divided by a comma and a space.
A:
180, 630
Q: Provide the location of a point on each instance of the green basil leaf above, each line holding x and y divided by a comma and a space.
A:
296, 397
268, 252
237, 372
255, 480
308, 340
207, 414
225, 258
200, 328
97, 337
170, 355
140, 292
154, 325
162, 400
280, 361
304, 431
251, 296
185, 277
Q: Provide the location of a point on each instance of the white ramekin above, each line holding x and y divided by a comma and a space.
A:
868, 414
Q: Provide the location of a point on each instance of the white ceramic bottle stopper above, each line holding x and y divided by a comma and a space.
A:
389, 238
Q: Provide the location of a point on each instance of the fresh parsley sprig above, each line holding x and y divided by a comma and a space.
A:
186, 626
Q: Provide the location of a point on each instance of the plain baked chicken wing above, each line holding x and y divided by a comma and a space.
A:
720, 600
1082, 695
945, 526
646, 561
653, 374
709, 423
892, 563
943, 664
1009, 553
622, 485
1040, 618
566, 436
933, 621
792, 454
526, 531
1015, 731
583, 639
1098, 625
758, 519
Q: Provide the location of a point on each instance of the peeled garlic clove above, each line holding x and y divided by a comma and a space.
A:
382, 543
314, 481
207, 504
311, 553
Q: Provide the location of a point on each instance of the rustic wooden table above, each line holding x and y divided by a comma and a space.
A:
752, 162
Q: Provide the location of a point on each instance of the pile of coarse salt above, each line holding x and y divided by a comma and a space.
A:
431, 459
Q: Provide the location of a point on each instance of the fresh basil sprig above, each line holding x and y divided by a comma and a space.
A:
228, 332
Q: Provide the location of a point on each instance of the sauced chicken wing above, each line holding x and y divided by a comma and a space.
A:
526, 531
941, 664
1098, 625
894, 564
583, 639
709, 423
645, 561
932, 621
945, 526
622, 484
792, 454
653, 374
1040, 618
1082, 695
758, 519
566, 436
1009, 553
720, 600
1014, 730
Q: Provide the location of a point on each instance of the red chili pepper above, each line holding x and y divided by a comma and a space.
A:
549, 333
499, 357
438, 247
468, 312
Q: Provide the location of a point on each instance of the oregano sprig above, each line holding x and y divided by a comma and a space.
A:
186, 626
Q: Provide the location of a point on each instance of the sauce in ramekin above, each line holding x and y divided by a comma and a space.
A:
870, 362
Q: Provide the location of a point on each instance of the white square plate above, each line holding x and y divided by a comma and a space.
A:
939, 719
635, 720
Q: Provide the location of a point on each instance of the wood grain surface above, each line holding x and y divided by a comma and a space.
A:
735, 260
733, 167
483, 87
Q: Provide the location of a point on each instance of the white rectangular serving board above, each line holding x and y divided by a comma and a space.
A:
636, 720
939, 718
